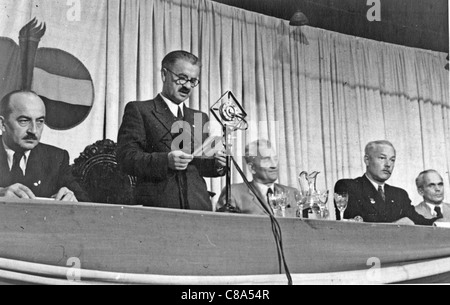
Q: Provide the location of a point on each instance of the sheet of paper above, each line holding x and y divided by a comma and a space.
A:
211, 144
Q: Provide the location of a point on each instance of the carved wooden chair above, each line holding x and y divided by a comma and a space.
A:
99, 174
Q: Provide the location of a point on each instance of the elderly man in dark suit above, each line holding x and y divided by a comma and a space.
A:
374, 200
158, 137
430, 186
29, 169
262, 161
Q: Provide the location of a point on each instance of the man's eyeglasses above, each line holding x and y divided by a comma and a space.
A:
182, 80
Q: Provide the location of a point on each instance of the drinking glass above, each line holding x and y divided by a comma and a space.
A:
341, 200
273, 201
322, 199
281, 201
300, 199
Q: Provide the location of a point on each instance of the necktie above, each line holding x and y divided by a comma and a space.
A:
17, 174
180, 129
438, 212
180, 114
381, 192
269, 193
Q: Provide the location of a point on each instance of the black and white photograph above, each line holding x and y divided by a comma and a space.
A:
224, 147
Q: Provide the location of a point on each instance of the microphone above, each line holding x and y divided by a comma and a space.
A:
229, 113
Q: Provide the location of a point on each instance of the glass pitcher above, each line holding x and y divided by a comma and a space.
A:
307, 184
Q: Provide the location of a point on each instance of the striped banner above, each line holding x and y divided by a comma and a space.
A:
66, 87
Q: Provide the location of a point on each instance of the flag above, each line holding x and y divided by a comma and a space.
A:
66, 87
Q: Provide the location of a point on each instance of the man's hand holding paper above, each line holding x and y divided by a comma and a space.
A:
179, 160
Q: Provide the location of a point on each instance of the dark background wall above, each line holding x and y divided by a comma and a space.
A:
415, 23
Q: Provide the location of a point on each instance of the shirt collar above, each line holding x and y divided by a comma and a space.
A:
264, 188
432, 206
172, 106
376, 185
10, 156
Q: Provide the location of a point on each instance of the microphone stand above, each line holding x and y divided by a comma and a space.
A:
230, 114
227, 131
227, 116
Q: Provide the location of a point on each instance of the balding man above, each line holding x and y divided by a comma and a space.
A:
430, 186
29, 169
371, 198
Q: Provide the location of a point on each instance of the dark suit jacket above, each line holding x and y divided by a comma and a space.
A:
365, 201
245, 201
49, 166
144, 143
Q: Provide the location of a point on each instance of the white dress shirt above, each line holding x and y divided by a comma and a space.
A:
264, 188
375, 184
432, 206
172, 106
10, 157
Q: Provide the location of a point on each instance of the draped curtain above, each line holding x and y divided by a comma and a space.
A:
319, 96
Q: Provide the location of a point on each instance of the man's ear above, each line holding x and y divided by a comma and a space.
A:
366, 160
420, 190
163, 75
251, 167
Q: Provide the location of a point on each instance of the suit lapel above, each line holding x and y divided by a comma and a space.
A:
426, 210
374, 197
369, 189
278, 187
35, 169
163, 113
34, 172
255, 199
390, 198
4, 167
166, 118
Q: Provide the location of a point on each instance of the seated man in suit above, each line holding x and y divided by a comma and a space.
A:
169, 176
431, 187
29, 169
262, 161
374, 200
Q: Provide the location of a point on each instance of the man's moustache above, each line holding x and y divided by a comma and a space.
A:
34, 138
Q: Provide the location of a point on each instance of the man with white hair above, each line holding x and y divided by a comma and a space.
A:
371, 198
430, 186
262, 161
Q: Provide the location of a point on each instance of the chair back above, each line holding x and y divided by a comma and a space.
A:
99, 174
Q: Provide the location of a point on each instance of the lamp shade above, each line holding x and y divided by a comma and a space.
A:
299, 19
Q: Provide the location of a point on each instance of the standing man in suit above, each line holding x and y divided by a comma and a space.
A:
28, 168
431, 187
151, 146
262, 161
371, 198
